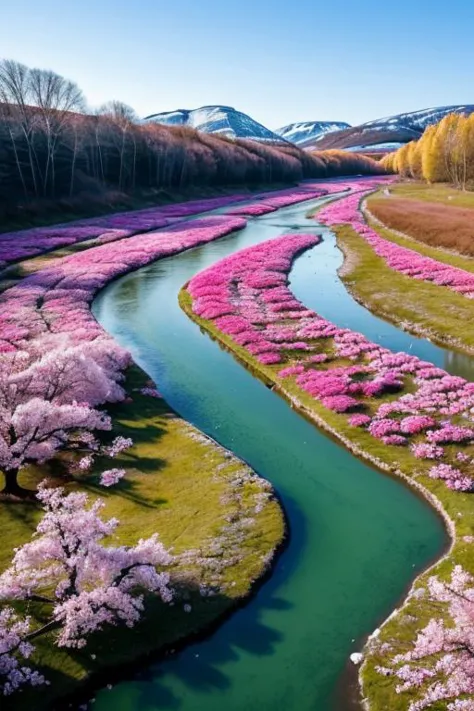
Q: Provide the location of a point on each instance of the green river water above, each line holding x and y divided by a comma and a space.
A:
358, 537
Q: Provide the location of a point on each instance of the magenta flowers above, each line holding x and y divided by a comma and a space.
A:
247, 298
401, 259
15, 246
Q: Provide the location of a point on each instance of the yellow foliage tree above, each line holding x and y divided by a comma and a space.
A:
432, 165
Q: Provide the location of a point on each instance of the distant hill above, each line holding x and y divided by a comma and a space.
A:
385, 134
221, 120
307, 131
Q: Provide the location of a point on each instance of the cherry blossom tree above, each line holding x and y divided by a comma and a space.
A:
440, 666
48, 395
14, 647
87, 584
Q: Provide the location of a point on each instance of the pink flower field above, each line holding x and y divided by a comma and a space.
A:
246, 297
401, 259
15, 246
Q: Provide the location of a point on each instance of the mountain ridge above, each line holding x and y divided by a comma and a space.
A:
386, 133
304, 131
219, 119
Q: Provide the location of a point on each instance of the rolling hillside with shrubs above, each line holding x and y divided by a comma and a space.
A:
52, 148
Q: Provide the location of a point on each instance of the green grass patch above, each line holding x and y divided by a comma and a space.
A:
439, 192
184, 486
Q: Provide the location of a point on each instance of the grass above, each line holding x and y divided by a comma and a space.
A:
407, 302
182, 485
457, 507
435, 224
439, 192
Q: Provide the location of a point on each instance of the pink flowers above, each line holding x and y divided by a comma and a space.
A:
81, 584
15, 246
401, 259
440, 667
232, 294
111, 477
414, 424
359, 420
339, 403
56, 299
14, 649
87, 585
422, 450
453, 477
341, 369
450, 433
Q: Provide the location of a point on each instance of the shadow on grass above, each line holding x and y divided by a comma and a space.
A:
195, 648
204, 666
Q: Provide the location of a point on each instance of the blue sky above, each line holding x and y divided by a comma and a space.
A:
280, 61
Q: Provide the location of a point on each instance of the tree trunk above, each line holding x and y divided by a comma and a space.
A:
18, 165
12, 488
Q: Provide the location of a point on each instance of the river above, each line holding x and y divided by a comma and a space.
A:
358, 537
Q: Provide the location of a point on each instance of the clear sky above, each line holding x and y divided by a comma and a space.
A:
278, 60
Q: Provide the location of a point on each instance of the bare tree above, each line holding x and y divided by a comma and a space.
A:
15, 97
56, 98
124, 118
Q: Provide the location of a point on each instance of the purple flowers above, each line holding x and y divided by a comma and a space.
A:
453, 477
111, 477
422, 450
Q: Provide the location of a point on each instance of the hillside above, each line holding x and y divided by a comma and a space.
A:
386, 134
222, 120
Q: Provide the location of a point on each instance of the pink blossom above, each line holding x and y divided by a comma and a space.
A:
111, 477
86, 584
440, 667
14, 648
359, 420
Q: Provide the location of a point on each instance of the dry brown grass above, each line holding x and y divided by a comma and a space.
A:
433, 223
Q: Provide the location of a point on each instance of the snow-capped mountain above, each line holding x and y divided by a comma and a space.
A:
307, 131
419, 120
223, 120
387, 133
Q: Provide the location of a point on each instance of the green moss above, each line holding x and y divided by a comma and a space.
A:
178, 483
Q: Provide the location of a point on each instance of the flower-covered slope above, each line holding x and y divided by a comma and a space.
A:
15, 246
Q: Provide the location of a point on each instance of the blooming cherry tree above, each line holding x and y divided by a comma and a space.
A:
440, 666
13, 648
87, 584
47, 399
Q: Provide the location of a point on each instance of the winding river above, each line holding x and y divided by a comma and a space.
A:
358, 537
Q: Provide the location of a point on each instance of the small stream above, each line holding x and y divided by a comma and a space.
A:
358, 537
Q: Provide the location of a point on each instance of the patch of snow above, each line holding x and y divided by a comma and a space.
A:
223, 120
418, 120
306, 130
